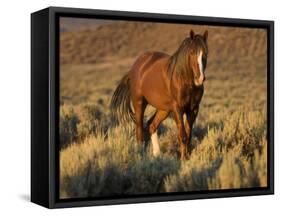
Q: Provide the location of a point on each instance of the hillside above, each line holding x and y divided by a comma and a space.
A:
129, 39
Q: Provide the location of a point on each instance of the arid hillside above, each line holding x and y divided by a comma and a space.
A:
129, 39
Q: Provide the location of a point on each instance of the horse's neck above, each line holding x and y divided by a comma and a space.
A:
186, 94
183, 83
183, 77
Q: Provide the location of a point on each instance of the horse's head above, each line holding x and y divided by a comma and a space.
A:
197, 56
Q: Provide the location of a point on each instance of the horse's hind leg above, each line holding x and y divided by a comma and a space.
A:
158, 117
139, 107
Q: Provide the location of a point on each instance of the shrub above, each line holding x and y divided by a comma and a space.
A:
231, 154
81, 121
68, 125
147, 175
91, 120
95, 166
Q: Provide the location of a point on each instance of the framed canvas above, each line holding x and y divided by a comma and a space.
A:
137, 107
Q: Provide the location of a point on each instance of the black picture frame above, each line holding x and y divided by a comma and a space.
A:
45, 102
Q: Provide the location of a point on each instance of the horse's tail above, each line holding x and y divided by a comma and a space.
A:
120, 104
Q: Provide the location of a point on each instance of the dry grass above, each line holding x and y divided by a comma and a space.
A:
100, 158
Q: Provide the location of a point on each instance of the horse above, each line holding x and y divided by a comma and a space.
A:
169, 83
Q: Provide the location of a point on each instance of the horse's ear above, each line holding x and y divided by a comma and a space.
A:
205, 35
191, 34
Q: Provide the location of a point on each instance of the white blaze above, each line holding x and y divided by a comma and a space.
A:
155, 144
200, 64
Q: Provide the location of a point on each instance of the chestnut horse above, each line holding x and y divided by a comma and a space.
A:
171, 84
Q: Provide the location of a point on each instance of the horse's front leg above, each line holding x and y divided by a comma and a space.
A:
182, 136
190, 117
